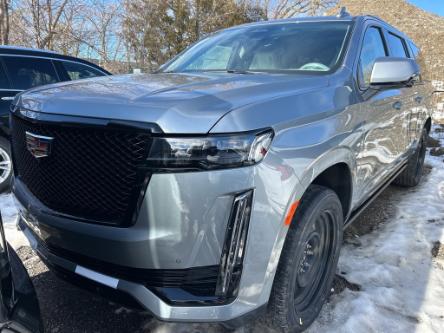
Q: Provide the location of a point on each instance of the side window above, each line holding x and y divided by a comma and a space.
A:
4, 82
77, 71
397, 46
30, 72
372, 49
417, 54
414, 50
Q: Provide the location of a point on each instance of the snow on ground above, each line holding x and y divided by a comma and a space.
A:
9, 216
402, 285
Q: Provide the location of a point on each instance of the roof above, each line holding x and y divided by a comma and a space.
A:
299, 19
23, 48
333, 18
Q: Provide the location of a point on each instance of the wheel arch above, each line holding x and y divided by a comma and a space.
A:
338, 178
336, 171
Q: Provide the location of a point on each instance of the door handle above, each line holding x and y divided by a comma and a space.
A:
418, 99
397, 105
9, 98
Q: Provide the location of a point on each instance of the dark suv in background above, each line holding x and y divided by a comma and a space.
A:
22, 69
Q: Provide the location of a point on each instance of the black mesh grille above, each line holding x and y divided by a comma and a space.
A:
92, 173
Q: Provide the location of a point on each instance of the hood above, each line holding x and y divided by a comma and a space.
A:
177, 103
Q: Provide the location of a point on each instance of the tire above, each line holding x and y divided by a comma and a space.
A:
298, 293
5, 165
411, 176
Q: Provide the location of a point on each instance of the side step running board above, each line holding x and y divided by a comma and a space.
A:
355, 214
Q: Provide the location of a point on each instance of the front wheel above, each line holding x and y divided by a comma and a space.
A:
308, 261
5, 165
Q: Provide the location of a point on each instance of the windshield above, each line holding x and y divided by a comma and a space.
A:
278, 47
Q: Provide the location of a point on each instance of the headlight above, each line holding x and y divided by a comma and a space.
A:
209, 152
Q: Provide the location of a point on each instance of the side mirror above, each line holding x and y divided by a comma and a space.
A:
393, 71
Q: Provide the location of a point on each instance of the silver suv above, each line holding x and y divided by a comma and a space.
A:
220, 186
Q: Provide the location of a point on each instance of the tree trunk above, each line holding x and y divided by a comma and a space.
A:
4, 21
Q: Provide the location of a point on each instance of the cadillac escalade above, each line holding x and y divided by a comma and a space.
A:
220, 185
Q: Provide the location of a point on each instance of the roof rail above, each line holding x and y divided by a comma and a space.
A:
343, 13
377, 18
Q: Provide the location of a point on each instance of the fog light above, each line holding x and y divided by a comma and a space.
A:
234, 246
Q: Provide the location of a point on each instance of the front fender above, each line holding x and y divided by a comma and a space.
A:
280, 180
328, 159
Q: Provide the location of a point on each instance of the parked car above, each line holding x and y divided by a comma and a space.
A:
23, 68
221, 185
19, 307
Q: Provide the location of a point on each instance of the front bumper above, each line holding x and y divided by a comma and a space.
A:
146, 298
181, 225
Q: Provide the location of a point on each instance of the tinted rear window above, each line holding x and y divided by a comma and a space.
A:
77, 71
29, 72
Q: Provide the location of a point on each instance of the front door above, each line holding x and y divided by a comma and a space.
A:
385, 133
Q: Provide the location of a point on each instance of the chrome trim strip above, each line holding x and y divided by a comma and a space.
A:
49, 138
97, 277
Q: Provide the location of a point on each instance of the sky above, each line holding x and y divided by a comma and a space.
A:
434, 6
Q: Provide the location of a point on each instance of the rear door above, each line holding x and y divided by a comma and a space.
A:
411, 97
420, 98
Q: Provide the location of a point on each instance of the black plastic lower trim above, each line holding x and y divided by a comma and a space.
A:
114, 295
196, 280
181, 287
